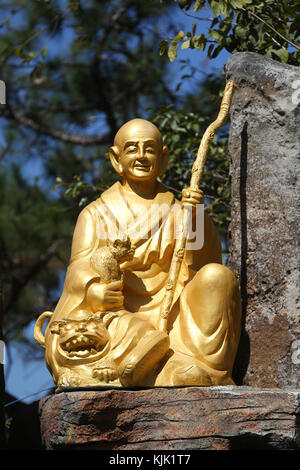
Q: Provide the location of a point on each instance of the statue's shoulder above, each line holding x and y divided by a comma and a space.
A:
94, 206
165, 195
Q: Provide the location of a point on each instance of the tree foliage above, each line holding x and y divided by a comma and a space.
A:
270, 28
267, 27
74, 71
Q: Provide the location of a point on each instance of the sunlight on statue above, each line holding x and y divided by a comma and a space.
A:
108, 328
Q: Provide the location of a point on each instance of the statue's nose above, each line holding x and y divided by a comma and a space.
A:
141, 151
81, 327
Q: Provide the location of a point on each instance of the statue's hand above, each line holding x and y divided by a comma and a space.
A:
162, 324
192, 196
101, 297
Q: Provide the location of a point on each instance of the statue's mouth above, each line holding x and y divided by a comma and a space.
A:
82, 345
142, 167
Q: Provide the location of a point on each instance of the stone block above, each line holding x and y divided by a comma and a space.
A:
188, 418
264, 145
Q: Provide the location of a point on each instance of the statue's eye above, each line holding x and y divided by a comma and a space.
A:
131, 149
150, 150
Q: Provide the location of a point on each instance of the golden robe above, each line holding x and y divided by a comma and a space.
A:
209, 342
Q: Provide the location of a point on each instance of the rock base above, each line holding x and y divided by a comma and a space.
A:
189, 418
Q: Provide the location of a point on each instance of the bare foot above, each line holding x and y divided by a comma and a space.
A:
191, 375
68, 380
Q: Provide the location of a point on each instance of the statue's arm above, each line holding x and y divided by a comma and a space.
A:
79, 273
84, 242
81, 278
84, 237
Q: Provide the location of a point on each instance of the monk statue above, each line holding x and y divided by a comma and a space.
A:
109, 331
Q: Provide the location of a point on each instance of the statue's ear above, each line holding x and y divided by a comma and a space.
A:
164, 160
55, 327
114, 158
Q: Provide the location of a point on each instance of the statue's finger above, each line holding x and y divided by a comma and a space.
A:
115, 299
113, 294
116, 285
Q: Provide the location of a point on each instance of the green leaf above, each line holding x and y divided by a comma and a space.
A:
215, 6
179, 36
283, 54
216, 52
3, 47
200, 42
239, 3
186, 44
173, 51
198, 5
240, 32
216, 35
210, 49
44, 52
19, 51
162, 46
224, 8
185, 4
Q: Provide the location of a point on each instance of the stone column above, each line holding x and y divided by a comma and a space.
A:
264, 145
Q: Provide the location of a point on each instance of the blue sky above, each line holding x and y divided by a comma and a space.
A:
24, 374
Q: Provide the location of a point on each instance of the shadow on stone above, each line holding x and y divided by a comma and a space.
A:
243, 353
251, 442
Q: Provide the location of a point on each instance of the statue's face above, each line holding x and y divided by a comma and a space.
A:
139, 158
140, 151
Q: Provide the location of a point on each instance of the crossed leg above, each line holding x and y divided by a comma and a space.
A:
206, 333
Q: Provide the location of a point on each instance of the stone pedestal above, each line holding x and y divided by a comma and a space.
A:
264, 145
189, 418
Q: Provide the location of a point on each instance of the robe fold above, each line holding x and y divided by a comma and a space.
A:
153, 237
151, 230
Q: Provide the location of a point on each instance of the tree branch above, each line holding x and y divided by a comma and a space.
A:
19, 117
19, 284
254, 15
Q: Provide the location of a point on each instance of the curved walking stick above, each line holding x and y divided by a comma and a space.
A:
197, 171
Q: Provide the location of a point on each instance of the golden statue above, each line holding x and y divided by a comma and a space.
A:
142, 305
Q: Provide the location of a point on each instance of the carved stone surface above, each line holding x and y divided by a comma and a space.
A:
265, 145
189, 418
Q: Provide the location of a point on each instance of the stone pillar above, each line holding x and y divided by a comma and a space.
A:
264, 145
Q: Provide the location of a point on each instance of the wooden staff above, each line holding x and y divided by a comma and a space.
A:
197, 171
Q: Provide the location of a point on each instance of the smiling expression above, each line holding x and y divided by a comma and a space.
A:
139, 149
140, 158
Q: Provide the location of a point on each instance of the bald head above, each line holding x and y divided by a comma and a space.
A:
137, 128
138, 153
